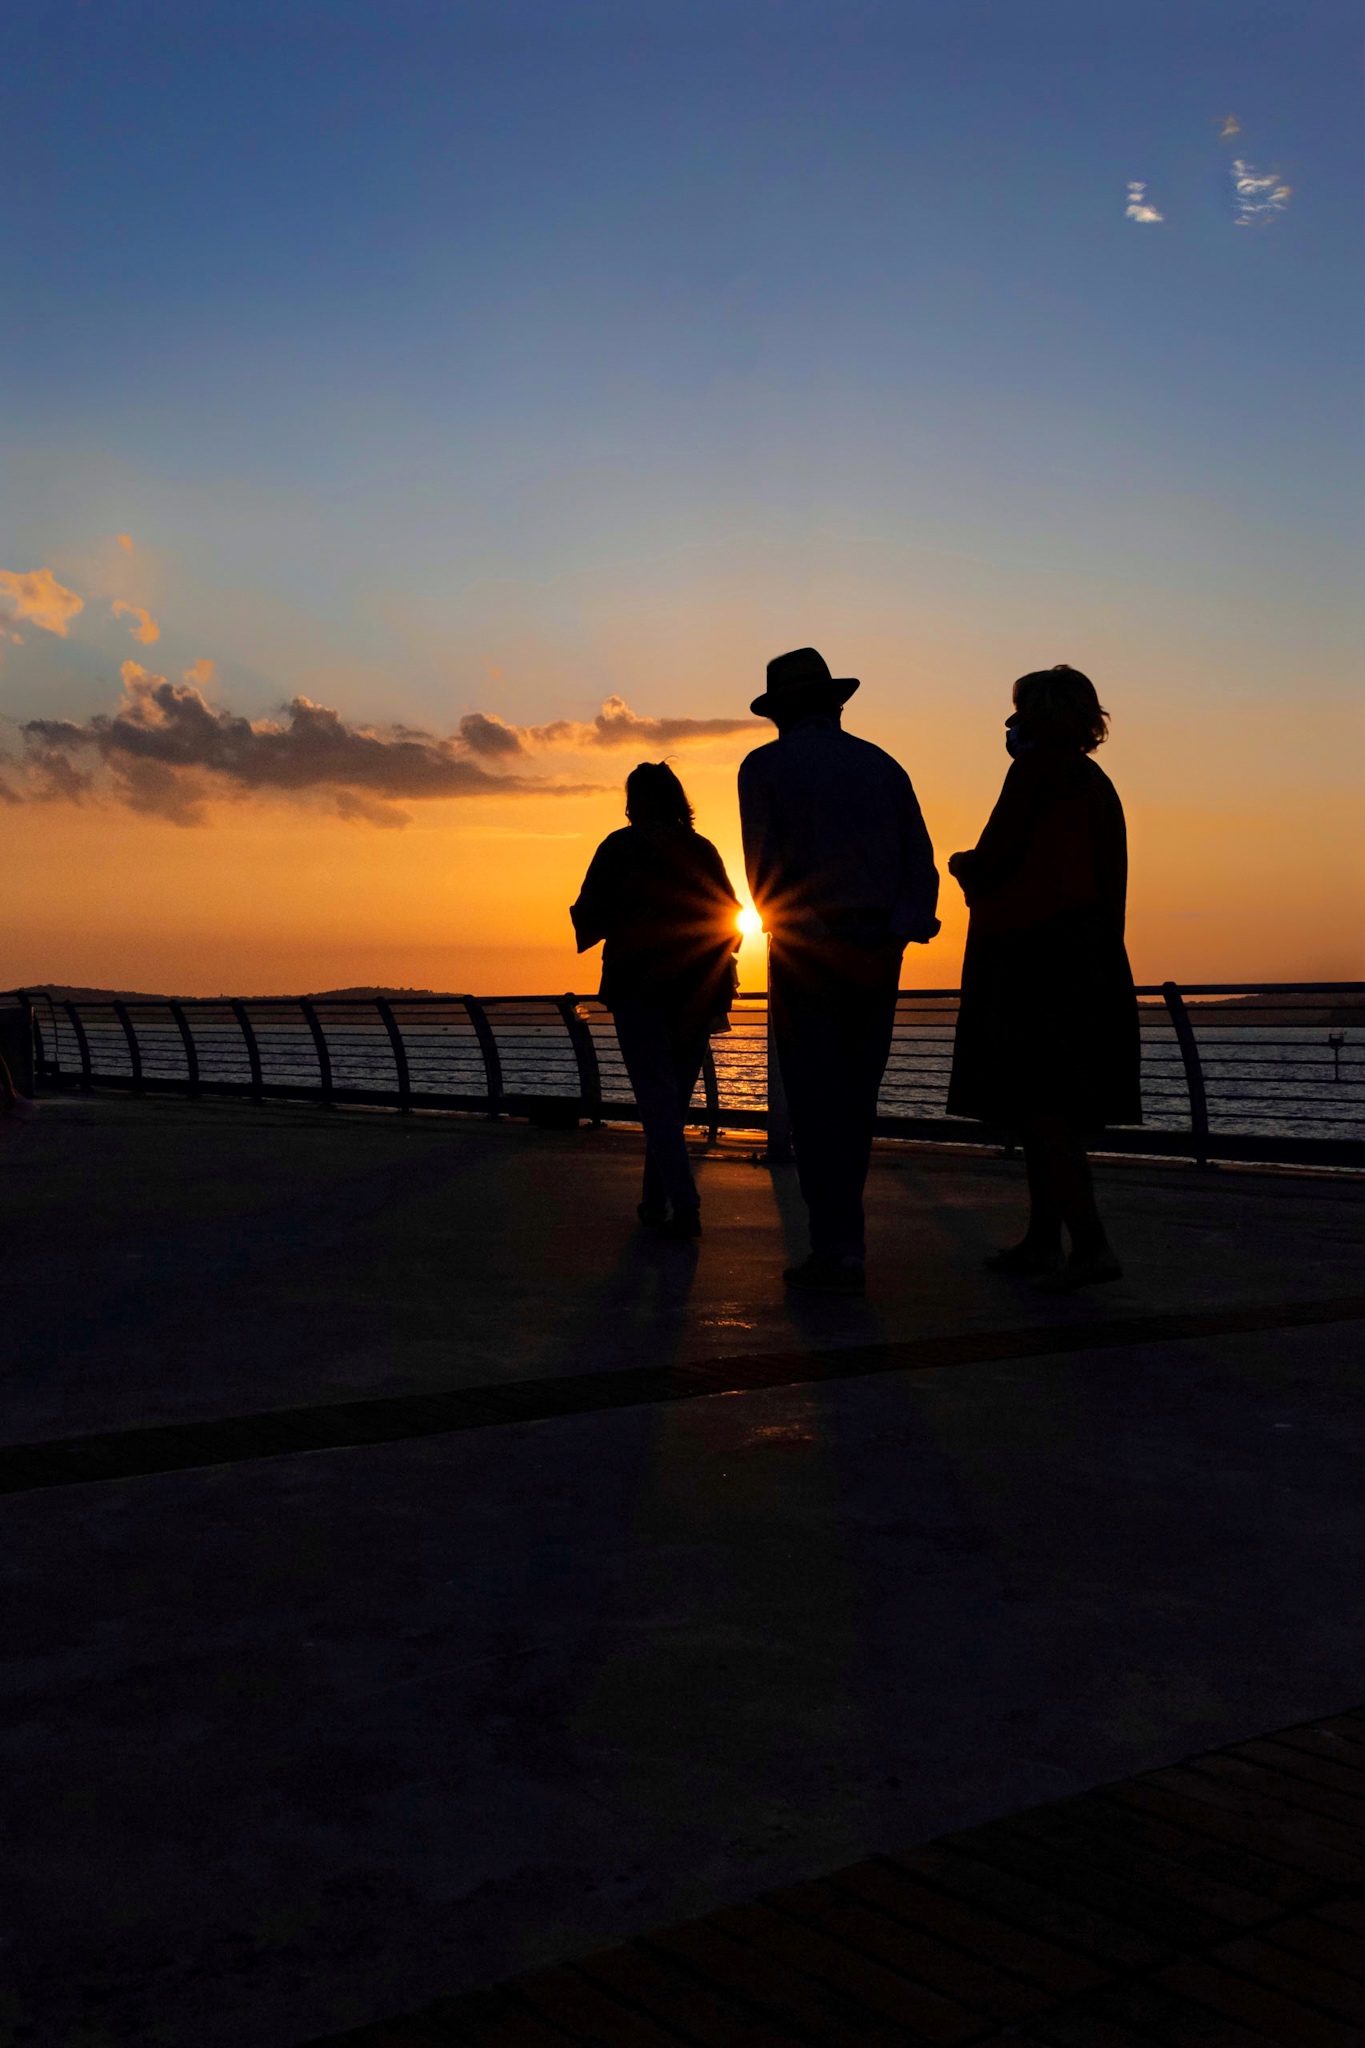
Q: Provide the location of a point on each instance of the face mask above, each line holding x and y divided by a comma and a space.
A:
1016, 743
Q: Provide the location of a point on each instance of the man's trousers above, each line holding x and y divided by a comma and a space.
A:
832, 1046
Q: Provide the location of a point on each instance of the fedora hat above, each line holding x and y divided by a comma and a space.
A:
800, 676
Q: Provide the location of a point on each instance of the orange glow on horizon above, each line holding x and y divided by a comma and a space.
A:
1243, 840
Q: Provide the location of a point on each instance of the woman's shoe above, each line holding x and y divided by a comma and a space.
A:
1076, 1273
1027, 1260
685, 1223
653, 1215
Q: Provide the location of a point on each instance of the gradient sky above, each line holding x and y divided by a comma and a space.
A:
443, 359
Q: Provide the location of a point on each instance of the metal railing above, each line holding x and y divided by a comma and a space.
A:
1270, 1071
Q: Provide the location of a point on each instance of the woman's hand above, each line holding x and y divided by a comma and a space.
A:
963, 867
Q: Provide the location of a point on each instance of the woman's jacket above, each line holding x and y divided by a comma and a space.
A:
659, 896
1055, 843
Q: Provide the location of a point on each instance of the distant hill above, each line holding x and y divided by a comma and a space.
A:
61, 991
338, 993
1276, 1012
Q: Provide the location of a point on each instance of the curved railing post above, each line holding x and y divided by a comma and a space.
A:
134, 1049
779, 1150
187, 1040
320, 1048
585, 1055
712, 1089
1194, 1071
82, 1045
488, 1046
56, 1044
41, 1068
253, 1051
400, 1052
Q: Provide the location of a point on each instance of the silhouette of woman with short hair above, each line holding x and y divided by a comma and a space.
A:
1047, 1033
657, 893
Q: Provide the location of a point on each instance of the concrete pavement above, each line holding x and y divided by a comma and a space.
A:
292, 1744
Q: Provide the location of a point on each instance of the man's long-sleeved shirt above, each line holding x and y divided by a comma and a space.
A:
833, 837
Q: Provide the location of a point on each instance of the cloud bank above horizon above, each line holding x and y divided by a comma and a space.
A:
167, 752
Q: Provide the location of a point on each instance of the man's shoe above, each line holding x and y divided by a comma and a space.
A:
1025, 1260
820, 1274
1080, 1273
686, 1223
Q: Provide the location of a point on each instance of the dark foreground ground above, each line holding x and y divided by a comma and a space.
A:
1218, 1902
295, 1739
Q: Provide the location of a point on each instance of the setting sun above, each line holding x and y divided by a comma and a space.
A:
750, 923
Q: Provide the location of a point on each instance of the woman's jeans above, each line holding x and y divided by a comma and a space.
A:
663, 1063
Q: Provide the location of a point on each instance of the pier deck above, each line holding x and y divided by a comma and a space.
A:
416, 1577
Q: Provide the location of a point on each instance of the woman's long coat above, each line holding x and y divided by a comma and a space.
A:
1048, 1018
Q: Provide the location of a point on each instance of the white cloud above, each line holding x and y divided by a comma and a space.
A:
1259, 196
36, 595
146, 629
1137, 207
1231, 126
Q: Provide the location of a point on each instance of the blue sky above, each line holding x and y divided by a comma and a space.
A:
442, 358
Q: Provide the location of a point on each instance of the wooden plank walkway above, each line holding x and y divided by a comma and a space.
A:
1217, 1904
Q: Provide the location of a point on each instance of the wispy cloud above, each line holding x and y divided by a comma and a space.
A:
1257, 196
1137, 207
146, 629
169, 753
35, 597
615, 725
365, 810
1231, 127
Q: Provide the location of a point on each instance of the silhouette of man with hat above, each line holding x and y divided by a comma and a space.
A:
843, 876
